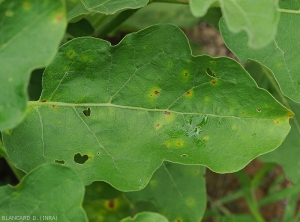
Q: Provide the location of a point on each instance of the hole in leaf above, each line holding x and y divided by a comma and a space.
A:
60, 161
78, 158
87, 112
210, 72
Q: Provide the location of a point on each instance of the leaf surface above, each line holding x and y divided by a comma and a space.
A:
178, 191
30, 34
280, 56
40, 193
257, 18
145, 217
288, 153
116, 113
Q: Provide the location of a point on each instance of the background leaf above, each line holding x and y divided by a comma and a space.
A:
178, 192
30, 33
280, 56
40, 193
249, 16
140, 103
146, 216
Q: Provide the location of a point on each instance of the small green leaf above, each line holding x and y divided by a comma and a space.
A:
30, 34
280, 56
49, 191
146, 217
178, 191
249, 16
123, 110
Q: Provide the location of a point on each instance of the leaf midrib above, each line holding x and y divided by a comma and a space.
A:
72, 105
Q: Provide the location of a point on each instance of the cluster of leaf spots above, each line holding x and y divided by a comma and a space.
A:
135, 112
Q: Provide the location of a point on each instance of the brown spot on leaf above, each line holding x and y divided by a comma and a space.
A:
167, 113
58, 17
213, 81
156, 92
258, 110
44, 100
70, 54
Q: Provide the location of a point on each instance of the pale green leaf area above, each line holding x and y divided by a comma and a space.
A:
75, 8
29, 36
115, 113
288, 153
146, 217
48, 190
178, 14
178, 191
280, 56
257, 18
109, 7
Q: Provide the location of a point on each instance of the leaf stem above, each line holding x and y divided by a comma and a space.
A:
115, 22
289, 11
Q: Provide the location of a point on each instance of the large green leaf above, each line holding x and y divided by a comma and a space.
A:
257, 18
30, 33
49, 192
178, 192
146, 217
116, 113
113, 6
280, 56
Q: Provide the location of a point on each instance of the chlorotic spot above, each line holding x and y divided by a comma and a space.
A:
214, 81
111, 204
189, 93
156, 92
8, 132
84, 57
196, 172
10, 79
153, 182
70, 54
26, 5
167, 113
206, 99
253, 134
258, 110
98, 153
58, 17
54, 107
184, 155
178, 220
167, 143
276, 121
206, 138
243, 112
190, 201
157, 126
170, 64
234, 127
